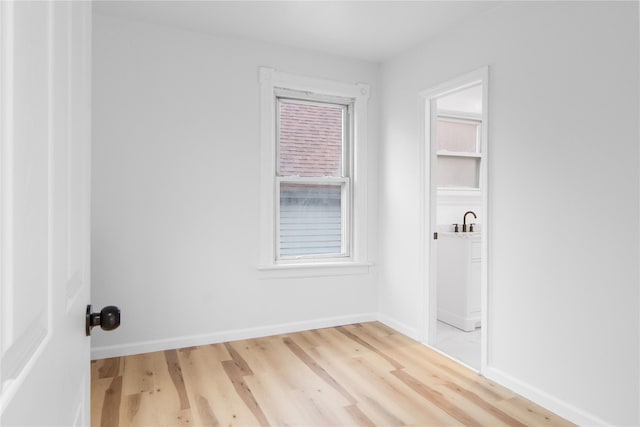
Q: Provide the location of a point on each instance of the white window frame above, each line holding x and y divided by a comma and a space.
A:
344, 180
355, 259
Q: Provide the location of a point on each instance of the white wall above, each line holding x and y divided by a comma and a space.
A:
176, 160
563, 197
452, 207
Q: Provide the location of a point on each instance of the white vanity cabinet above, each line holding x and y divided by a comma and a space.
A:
458, 297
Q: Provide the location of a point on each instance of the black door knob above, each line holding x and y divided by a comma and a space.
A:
108, 318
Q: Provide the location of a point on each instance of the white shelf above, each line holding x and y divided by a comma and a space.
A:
445, 153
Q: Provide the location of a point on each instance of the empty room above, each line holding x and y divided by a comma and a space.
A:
320, 213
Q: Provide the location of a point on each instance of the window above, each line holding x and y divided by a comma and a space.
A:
459, 152
313, 177
313, 170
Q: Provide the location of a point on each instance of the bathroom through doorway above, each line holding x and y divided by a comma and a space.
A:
456, 186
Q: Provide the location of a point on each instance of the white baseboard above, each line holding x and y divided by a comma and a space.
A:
104, 352
399, 326
467, 324
547, 401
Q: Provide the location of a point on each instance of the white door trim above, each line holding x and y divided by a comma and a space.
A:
428, 193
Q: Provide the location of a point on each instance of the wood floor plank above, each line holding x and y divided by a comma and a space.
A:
292, 394
217, 352
374, 389
369, 365
264, 356
420, 359
138, 410
99, 387
531, 414
381, 328
280, 405
137, 374
243, 390
422, 367
317, 409
360, 417
185, 418
111, 407
109, 368
317, 369
367, 345
207, 416
131, 407
364, 374
170, 401
175, 371
205, 377
436, 398
240, 363
347, 345
486, 406
421, 412
271, 356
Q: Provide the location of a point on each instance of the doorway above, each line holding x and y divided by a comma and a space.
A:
456, 218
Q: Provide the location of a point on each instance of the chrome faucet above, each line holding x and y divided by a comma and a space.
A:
464, 221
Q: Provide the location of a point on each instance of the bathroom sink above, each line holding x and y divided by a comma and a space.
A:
462, 235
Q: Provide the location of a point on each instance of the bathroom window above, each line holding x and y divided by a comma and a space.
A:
459, 152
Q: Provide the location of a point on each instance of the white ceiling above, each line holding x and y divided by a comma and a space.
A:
367, 30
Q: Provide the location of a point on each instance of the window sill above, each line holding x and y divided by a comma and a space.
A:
315, 269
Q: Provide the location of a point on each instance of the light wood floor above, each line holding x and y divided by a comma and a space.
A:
363, 374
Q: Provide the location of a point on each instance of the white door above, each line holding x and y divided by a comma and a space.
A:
45, 49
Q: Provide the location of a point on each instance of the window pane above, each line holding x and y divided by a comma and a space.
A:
310, 139
456, 136
458, 172
310, 219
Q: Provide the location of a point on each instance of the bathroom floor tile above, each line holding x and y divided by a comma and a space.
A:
462, 346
